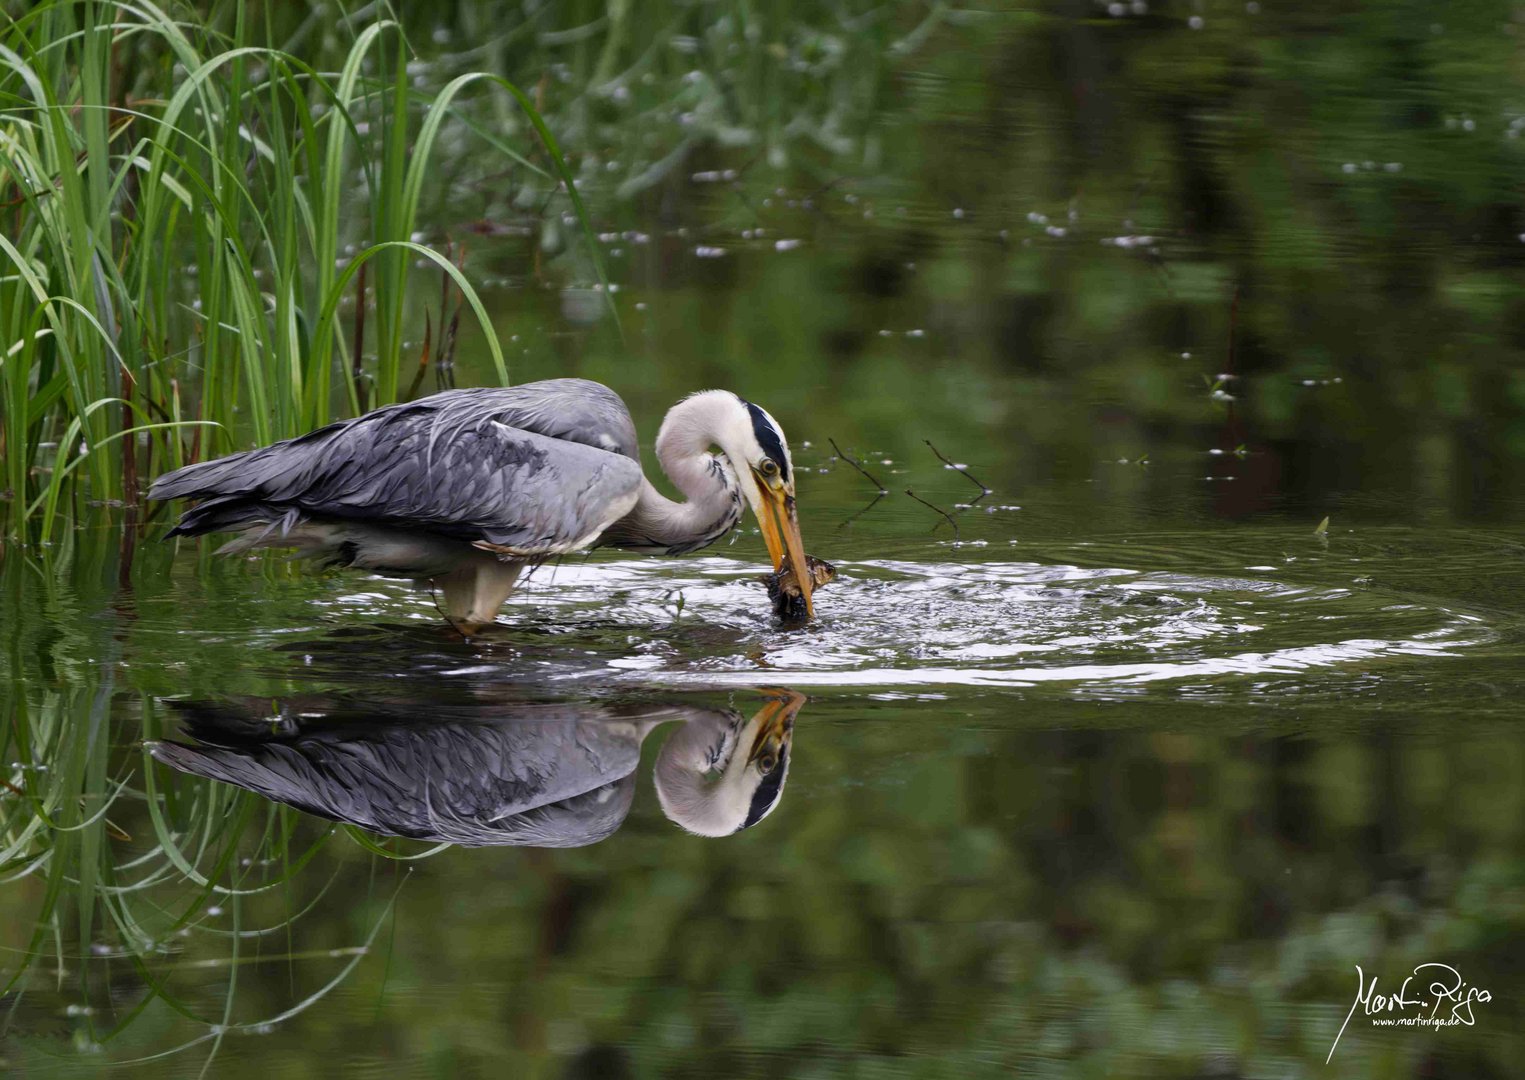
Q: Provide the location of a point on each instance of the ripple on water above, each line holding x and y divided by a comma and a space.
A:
904, 623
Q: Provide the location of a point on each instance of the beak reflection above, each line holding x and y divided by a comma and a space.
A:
775, 729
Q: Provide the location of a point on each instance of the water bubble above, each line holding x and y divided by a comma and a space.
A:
1252, 7
1195, 22
786, 245
916, 333
706, 252
1394, 166
958, 212
1468, 124
1348, 167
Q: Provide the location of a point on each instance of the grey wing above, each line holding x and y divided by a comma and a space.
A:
538, 776
448, 464
359, 782
576, 410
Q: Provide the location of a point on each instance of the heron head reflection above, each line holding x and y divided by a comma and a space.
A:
720, 774
527, 774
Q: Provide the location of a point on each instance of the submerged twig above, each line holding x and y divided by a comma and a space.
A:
883, 491
956, 467
932, 506
871, 504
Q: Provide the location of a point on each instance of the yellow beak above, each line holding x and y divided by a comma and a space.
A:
781, 531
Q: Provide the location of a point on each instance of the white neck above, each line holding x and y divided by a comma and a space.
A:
709, 481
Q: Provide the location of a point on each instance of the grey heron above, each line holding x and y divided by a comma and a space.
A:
534, 775
464, 489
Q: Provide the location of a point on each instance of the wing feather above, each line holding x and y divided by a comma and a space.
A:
462, 463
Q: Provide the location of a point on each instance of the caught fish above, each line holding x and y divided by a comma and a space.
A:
784, 586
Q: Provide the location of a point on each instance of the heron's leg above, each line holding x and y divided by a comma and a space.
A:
473, 593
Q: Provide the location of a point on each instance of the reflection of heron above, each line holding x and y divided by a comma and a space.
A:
465, 488
560, 775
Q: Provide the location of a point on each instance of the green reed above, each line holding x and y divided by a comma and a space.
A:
205, 240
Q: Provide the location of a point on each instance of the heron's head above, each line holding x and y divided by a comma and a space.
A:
722, 773
754, 444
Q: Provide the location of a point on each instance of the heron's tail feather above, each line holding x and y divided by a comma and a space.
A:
234, 513
275, 771
203, 479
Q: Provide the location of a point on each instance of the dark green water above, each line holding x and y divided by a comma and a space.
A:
1127, 777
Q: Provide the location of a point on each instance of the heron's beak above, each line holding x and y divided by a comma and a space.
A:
775, 725
781, 531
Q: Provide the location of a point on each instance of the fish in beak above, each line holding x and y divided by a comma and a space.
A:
781, 532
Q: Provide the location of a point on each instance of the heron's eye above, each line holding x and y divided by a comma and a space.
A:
767, 763
768, 467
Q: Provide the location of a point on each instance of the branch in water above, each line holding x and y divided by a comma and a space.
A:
868, 475
872, 503
956, 467
931, 506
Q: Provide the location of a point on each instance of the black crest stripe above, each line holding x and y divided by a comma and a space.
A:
767, 437
768, 791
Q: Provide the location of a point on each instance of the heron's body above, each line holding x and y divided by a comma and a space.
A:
466, 488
